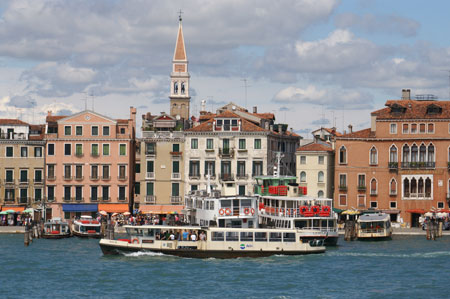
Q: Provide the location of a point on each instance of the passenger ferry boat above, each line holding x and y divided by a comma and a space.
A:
87, 227
374, 226
281, 204
211, 242
56, 229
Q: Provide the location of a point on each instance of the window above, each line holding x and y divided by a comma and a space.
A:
430, 128
321, 159
342, 199
9, 175
150, 188
361, 181
242, 190
210, 168
440, 205
150, 148
51, 193
257, 143
194, 143
150, 166
67, 149
393, 204
50, 170
94, 150
106, 131
122, 130
67, 171
302, 159
67, 130
94, 130
217, 236
393, 154
79, 172
24, 151
122, 172
78, 193
79, 130
373, 156
9, 151
105, 193
405, 157
122, 195
413, 128
24, 176
342, 181
194, 168
393, 187
302, 176
175, 189
226, 124
431, 153
320, 194
374, 204
38, 175
137, 168
105, 172
361, 201
405, 128
257, 168
373, 186
51, 149
240, 168
78, 150
38, 151
94, 172
105, 149
122, 149
320, 177
137, 188
342, 155
37, 194
393, 129
67, 193
209, 144
194, 187
242, 144
422, 128
94, 193
219, 123
234, 122
175, 166
176, 148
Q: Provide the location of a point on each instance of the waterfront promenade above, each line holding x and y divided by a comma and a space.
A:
120, 230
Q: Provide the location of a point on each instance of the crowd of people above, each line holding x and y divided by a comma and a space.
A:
147, 219
181, 235
15, 219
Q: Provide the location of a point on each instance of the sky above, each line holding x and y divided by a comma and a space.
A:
311, 62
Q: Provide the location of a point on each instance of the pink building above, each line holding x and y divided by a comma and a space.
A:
89, 164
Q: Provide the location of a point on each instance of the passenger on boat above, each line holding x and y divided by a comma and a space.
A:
193, 237
171, 236
202, 236
185, 235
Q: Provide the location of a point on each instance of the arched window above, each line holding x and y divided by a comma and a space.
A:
393, 187
413, 187
405, 157
320, 177
393, 154
373, 186
175, 87
182, 88
302, 176
373, 156
343, 155
320, 194
422, 153
414, 153
427, 187
406, 187
431, 153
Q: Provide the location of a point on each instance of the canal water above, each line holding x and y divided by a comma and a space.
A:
406, 266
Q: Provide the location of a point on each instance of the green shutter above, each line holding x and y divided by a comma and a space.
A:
150, 188
175, 166
150, 166
175, 189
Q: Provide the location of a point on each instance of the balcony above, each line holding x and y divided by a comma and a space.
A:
95, 199
226, 152
226, 177
176, 153
242, 176
23, 182
9, 182
105, 198
9, 200
79, 178
418, 165
67, 178
194, 176
361, 187
342, 188
150, 152
176, 176
150, 175
150, 199
393, 165
14, 136
121, 198
79, 155
38, 181
106, 178
23, 200
122, 177
211, 176
175, 200
51, 178
95, 155
94, 178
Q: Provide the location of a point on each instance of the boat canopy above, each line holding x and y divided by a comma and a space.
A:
373, 217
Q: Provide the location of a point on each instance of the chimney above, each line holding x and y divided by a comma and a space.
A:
406, 94
350, 128
255, 109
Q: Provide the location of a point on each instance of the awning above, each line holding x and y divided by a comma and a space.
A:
417, 211
79, 207
113, 207
336, 210
161, 209
16, 209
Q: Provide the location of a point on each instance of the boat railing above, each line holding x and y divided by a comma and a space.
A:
290, 213
372, 230
321, 229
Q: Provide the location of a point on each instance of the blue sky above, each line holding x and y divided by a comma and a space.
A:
312, 63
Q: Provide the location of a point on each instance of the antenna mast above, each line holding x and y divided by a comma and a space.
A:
245, 90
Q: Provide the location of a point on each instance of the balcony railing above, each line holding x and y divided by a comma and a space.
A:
373, 192
195, 176
121, 198
23, 181
16, 136
23, 200
361, 188
150, 175
176, 153
242, 176
226, 177
94, 178
342, 187
175, 200
79, 178
51, 178
226, 152
393, 165
416, 195
211, 176
67, 178
418, 165
150, 199
176, 176
122, 177
9, 199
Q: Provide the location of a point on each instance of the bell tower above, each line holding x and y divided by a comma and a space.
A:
179, 79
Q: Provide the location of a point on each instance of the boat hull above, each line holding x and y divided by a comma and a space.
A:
46, 236
86, 235
109, 249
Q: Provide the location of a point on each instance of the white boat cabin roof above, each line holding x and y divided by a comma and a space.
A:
373, 217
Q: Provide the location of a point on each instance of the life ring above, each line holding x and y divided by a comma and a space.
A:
221, 212
315, 209
247, 211
228, 211
326, 209
253, 211
135, 240
303, 210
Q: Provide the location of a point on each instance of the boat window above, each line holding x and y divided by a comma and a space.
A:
225, 203
232, 236
128, 231
236, 223
316, 223
331, 223
150, 232
247, 236
211, 205
246, 203
275, 237
137, 232
250, 224
260, 236
301, 223
323, 224
288, 237
217, 236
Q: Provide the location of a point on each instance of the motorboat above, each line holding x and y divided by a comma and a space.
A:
373, 226
87, 227
55, 228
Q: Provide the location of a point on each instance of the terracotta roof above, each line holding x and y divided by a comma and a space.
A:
246, 126
54, 118
122, 121
227, 114
315, 147
413, 109
207, 116
203, 127
366, 133
11, 121
264, 115
331, 131
251, 127
287, 133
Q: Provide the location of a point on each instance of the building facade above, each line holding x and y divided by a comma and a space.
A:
400, 164
21, 165
89, 164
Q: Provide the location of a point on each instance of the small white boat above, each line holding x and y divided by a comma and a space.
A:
56, 229
374, 226
211, 242
86, 227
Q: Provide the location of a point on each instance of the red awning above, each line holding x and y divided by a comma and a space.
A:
417, 211
17, 209
113, 207
161, 209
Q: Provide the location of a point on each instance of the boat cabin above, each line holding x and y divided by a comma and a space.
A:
278, 186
